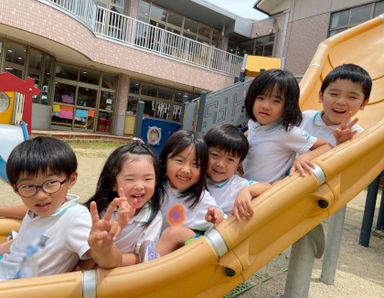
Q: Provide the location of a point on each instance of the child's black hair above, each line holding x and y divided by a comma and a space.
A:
40, 155
287, 87
228, 138
177, 143
105, 194
351, 72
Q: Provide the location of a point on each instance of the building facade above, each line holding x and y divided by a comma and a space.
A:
94, 60
300, 25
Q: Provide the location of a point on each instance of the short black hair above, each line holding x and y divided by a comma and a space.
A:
352, 72
177, 143
286, 85
229, 138
41, 154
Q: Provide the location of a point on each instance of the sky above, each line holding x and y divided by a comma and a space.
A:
243, 8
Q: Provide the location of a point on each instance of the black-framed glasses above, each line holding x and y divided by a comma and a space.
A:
49, 187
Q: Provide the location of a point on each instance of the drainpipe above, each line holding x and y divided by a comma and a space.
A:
284, 38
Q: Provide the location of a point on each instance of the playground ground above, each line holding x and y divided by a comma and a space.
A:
360, 271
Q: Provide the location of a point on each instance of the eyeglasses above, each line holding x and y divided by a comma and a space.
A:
49, 187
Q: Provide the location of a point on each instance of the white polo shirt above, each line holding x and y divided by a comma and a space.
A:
225, 193
67, 230
136, 230
314, 124
176, 211
272, 150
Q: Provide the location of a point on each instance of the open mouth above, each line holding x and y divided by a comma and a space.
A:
43, 206
183, 178
338, 111
138, 196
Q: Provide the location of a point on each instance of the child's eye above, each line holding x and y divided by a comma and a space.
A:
231, 159
195, 164
26, 186
259, 97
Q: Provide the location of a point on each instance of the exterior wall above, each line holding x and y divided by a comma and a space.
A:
308, 26
303, 38
274, 25
108, 53
121, 100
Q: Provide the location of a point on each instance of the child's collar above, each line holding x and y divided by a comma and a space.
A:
269, 126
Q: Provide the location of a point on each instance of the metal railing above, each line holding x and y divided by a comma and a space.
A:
83, 10
130, 31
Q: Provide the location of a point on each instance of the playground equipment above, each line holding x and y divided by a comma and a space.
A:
15, 114
214, 264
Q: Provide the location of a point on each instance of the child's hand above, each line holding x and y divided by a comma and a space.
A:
214, 216
126, 211
344, 132
103, 230
242, 206
302, 165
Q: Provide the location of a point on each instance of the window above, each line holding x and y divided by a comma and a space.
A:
348, 18
159, 101
261, 46
84, 98
177, 23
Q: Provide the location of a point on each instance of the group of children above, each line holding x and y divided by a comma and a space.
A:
147, 206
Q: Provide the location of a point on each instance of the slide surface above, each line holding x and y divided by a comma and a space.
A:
284, 213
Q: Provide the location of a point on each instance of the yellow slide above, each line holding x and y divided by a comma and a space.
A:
213, 265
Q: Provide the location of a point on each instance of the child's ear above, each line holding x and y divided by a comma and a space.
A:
365, 102
320, 96
72, 179
114, 187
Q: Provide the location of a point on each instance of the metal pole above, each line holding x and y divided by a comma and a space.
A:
185, 100
200, 112
303, 254
369, 211
139, 119
332, 247
380, 217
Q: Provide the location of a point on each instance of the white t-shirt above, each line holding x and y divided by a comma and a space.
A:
136, 230
314, 124
67, 230
225, 193
175, 210
272, 150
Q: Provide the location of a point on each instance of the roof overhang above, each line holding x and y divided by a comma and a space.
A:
272, 7
209, 14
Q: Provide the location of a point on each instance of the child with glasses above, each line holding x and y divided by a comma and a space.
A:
55, 229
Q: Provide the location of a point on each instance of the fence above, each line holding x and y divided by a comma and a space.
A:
130, 31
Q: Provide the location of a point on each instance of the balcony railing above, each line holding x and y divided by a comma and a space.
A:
112, 25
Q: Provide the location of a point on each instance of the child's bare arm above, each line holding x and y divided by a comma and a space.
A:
303, 163
214, 216
17, 212
6, 246
242, 206
344, 132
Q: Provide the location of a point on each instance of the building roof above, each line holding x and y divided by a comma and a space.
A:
272, 7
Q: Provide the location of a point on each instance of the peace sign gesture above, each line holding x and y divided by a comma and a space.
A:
105, 231
344, 132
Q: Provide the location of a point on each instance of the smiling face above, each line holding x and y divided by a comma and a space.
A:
222, 164
340, 98
182, 169
138, 179
42, 203
268, 108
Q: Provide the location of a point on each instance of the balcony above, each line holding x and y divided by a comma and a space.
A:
131, 32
